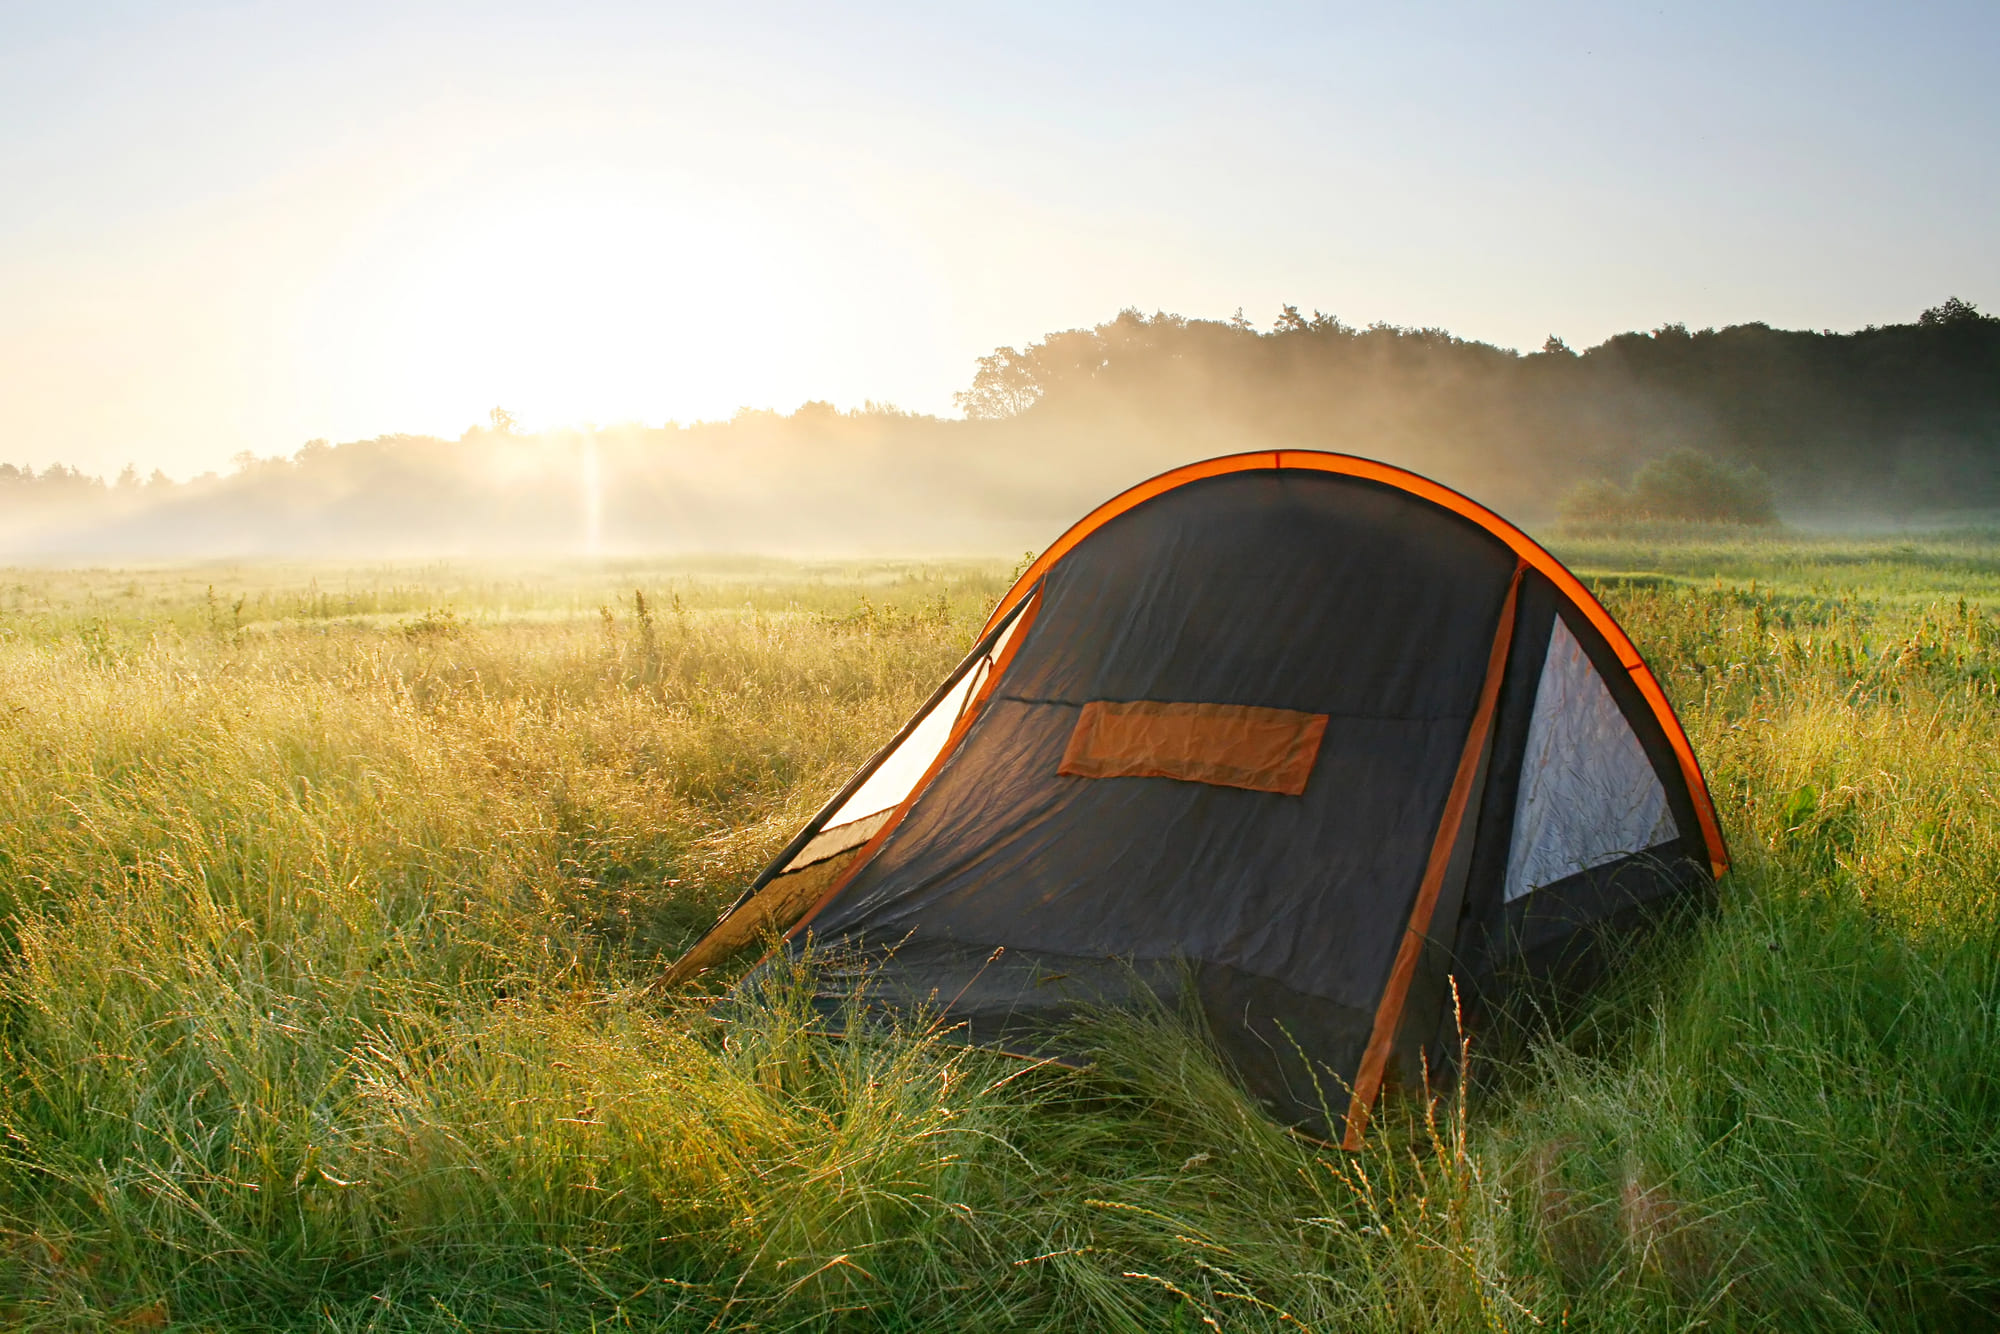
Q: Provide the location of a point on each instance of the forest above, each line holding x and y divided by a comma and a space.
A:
1892, 424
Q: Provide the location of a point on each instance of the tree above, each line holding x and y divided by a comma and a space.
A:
1954, 311
1598, 500
1686, 486
1003, 386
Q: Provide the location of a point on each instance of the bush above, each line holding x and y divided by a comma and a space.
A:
1685, 486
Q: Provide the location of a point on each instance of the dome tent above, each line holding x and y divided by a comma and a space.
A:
1290, 736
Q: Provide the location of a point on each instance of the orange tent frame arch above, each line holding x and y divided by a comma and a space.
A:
1530, 552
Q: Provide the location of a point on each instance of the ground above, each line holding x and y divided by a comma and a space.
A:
336, 898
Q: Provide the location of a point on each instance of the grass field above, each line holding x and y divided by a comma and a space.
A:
335, 897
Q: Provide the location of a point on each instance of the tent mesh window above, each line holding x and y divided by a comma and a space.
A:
1588, 793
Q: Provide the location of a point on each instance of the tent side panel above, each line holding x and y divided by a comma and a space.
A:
1507, 949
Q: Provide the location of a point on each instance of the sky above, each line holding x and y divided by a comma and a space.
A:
229, 227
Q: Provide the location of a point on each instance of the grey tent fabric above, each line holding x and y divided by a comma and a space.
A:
1474, 730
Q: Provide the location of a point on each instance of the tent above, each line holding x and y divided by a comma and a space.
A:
1290, 737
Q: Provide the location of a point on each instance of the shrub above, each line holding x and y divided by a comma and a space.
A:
1685, 486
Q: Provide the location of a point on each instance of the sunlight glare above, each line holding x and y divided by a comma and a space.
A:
593, 500
565, 301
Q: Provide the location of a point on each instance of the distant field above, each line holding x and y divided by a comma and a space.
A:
335, 898
1899, 570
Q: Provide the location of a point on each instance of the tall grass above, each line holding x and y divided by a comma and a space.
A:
327, 992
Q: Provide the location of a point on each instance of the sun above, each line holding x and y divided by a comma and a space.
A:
569, 298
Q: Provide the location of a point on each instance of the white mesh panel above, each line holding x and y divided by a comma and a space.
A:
888, 785
1588, 793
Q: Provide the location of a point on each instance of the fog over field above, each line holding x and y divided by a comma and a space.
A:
1883, 426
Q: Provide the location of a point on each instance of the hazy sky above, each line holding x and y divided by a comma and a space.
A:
228, 227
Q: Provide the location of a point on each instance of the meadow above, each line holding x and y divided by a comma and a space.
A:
333, 902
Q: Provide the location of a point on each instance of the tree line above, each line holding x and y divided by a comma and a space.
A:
1902, 419
1905, 416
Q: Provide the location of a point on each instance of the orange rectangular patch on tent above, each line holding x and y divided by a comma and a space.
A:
1231, 745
